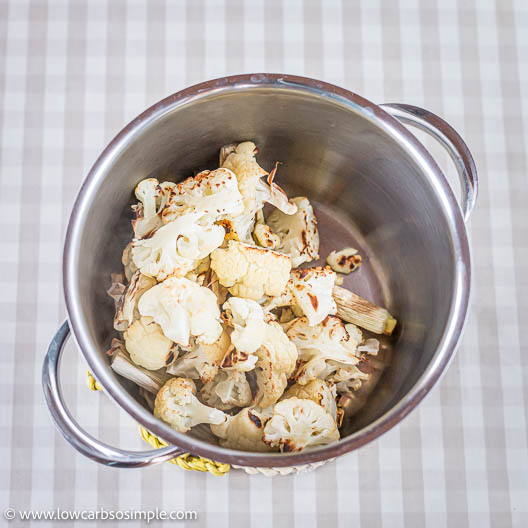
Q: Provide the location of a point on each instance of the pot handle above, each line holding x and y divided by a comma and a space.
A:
73, 433
449, 138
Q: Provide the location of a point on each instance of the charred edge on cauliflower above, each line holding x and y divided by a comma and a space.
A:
255, 419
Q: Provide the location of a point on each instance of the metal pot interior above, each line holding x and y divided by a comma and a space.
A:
369, 189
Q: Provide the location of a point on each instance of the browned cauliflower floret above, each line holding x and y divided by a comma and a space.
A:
265, 237
251, 272
243, 431
318, 391
213, 194
308, 292
227, 390
147, 344
183, 309
202, 361
152, 196
127, 310
299, 423
344, 261
276, 361
242, 161
128, 264
177, 247
177, 405
249, 329
331, 340
298, 232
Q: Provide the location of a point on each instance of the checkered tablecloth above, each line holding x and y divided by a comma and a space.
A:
73, 73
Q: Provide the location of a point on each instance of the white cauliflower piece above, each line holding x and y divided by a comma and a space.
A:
348, 378
318, 391
247, 319
369, 346
227, 390
177, 247
202, 361
241, 160
126, 310
183, 309
153, 197
212, 194
265, 237
299, 423
331, 340
243, 431
345, 261
308, 291
251, 272
225, 151
298, 232
274, 194
177, 405
147, 345
239, 360
277, 358
345, 378
242, 227
128, 264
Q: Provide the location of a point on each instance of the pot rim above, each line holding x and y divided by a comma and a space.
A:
351, 101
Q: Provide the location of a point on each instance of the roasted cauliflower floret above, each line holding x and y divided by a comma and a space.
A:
243, 431
177, 247
251, 272
177, 405
183, 309
247, 319
299, 423
345, 378
369, 346
241, 160
344, 261
147, 344
265, 237
276, 362
202, 361
126, 310
298, 232
348, 378
153, 197
330, 340
212, 194
308, 292
249, 329
318, 391
227, 390
128, 264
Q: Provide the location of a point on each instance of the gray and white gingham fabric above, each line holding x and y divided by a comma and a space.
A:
73, 73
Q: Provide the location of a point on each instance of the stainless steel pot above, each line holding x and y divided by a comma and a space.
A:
356, 160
